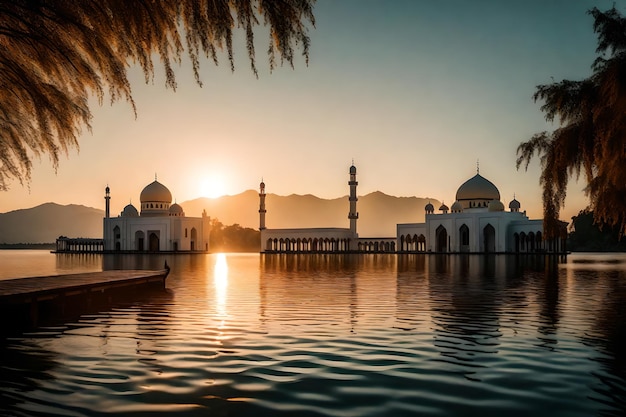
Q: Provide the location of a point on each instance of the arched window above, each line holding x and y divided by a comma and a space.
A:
194, 238
154, 242
464, 238
421, 243
185, 232
489, 237
117, 236
441, 235
539, 239
139, 240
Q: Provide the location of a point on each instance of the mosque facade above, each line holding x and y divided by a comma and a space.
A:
159, 226
477, 222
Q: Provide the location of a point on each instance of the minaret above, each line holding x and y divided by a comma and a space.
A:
353, 215
262, 210
107, 202
206, 230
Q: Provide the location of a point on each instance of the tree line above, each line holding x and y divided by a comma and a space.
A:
233, 238
586, 235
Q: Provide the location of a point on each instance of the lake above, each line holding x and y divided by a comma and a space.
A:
331, 335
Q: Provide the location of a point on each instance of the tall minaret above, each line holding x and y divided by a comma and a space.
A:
107, 202
262, 210
353, 215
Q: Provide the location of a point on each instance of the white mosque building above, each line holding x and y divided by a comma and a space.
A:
477, 222
160, 226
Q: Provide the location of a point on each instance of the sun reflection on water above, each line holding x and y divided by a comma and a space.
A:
220, 281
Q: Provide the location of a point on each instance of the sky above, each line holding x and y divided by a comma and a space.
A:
416, 93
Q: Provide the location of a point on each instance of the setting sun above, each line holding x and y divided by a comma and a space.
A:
212, 187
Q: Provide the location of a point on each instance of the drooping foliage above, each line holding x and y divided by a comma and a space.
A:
54, 54
591, 138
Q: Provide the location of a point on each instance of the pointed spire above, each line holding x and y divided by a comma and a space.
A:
478, 166
155, 176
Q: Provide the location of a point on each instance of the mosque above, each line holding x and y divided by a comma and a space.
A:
160, 226
477, 222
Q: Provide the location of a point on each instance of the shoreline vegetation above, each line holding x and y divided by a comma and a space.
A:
46, 246
586, 235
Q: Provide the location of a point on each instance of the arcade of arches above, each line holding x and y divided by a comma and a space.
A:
328, 245
523, 242
307, 245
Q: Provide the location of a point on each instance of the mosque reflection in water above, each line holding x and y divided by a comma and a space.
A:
474, 306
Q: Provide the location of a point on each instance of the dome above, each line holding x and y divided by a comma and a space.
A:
457, 207
496, 205
514, 204
130, 211
176, 210
443, 207
352, 169
478, 188
156, 192
429, 208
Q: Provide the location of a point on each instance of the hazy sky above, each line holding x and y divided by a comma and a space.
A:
415, 92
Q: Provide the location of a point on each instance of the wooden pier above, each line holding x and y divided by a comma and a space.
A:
25, 301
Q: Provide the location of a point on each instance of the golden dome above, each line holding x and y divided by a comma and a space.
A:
496, 205
155, 192
130, 211
477, 188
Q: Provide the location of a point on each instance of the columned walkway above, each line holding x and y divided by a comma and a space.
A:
79, 245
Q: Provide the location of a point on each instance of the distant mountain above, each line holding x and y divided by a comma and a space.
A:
45, 223
378, 212
378, 215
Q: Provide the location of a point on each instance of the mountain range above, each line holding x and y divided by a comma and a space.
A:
378, 215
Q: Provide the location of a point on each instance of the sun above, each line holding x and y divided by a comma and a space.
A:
212, 187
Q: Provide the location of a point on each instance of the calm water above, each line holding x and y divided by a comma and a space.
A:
372, 335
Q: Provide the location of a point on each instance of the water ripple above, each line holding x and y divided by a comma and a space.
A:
356, 337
